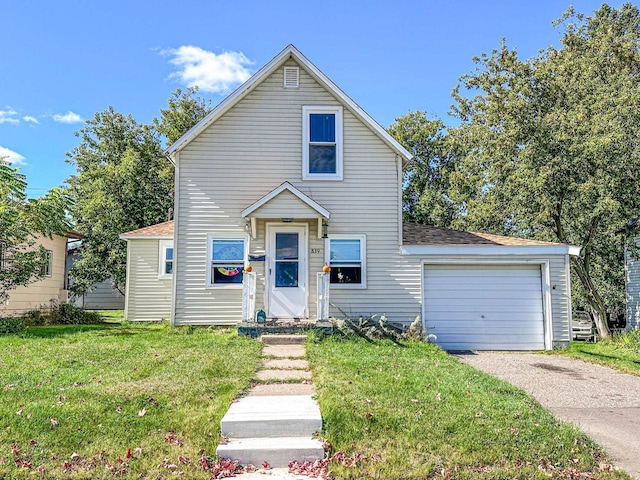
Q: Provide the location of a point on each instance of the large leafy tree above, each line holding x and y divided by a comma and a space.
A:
553, 146
22, 220
426, 177
123, 182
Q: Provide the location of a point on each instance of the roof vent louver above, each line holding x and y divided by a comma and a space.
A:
291, 77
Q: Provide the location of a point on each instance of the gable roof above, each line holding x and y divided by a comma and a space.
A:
239, 93
286, 186
160, 230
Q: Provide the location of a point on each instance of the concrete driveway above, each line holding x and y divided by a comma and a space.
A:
603, 403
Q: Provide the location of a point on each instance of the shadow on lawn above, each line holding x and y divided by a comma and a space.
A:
100, 329
604, 357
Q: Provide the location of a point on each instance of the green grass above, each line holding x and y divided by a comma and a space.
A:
621, 352
415, 412
98, 390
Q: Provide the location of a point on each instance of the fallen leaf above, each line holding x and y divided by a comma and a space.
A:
368, 415
19, 412
438, 397
414, 400
142, 412
54, 422
479, 414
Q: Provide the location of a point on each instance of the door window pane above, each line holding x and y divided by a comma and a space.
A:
286, 274
286, 246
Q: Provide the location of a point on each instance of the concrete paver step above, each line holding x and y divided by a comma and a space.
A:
283, 375
277, 452
286, 364
283, 351
283, 339
272, 416
281, 389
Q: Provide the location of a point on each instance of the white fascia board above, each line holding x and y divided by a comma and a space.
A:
287, 186
124, 236
459, 250
265, 71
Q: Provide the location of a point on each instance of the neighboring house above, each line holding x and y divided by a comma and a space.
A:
102, 297
632, 274
49, 289
288, 174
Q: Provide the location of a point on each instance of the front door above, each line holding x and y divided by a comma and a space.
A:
287, 271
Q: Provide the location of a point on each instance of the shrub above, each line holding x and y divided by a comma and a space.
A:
61, 314
11, 325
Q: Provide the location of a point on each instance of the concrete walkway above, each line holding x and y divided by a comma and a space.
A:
275, 422
605, 404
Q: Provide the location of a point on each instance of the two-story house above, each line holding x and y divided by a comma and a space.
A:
289, 174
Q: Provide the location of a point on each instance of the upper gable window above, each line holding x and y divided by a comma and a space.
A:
322, 143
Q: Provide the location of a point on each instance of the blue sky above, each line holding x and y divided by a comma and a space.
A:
63, 61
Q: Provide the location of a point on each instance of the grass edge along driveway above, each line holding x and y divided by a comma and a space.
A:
413, 412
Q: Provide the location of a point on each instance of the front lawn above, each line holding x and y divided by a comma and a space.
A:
134, 400
414, 412
621, 352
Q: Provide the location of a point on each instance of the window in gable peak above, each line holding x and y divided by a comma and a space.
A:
322, 143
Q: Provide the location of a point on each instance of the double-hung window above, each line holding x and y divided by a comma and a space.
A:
165, 266
346, 255
227, 257
322, 143
46, 268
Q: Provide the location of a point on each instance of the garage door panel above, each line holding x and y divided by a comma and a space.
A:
484, 307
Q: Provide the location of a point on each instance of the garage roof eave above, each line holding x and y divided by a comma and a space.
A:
489, 250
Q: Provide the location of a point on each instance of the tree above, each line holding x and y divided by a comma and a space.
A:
185, 110
552, 146
21, 221
123, 182
426, 177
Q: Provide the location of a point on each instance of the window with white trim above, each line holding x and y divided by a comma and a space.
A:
322, 143
227, 257
47, 267
346, 255
165, 266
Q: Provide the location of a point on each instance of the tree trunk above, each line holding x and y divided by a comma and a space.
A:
598, 309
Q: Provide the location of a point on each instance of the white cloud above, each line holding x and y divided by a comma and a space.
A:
69, 117
9, 116
11, 156
29, 118
207, 70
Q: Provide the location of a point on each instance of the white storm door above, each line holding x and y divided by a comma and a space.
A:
287, 271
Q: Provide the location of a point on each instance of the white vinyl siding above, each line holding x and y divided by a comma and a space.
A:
484, 307
148, 297
632, 282
250, 151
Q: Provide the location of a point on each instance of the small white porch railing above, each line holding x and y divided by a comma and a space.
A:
323, 296
248, 296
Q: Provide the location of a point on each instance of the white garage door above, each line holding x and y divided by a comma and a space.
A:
484, 307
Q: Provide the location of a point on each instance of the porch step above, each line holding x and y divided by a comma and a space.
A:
283, 339
272, 416
277, 452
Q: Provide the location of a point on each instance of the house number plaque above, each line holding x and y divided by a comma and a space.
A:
315, 250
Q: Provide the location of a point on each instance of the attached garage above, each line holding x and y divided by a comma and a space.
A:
489, 292
484, 307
